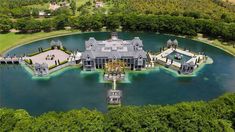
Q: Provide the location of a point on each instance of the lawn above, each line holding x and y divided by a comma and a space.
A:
226, 46
10, 40
81, 2
44, 6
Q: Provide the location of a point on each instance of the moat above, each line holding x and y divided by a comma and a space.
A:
75, 88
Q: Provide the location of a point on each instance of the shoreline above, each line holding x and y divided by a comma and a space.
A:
16, 45
72, 32
199, 38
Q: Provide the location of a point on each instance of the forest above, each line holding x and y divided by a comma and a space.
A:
216, 115
127, 22
207, 9
16, 9
212, 18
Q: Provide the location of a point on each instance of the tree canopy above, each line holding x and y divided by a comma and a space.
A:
215, 115
207, 9
127, 22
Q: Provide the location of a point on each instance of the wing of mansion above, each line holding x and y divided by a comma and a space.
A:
97, 53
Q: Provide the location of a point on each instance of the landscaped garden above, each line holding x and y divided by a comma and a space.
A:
209, 21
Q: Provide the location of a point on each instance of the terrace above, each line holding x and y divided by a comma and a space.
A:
181, 60
46, 61
51, 57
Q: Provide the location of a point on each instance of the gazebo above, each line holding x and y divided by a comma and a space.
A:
171, 43
56, 44
114, 97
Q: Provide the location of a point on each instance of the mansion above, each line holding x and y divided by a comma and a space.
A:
97, 53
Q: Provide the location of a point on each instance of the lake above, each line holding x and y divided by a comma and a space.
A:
73, 89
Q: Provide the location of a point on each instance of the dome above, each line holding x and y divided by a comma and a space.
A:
175, 42
169, 42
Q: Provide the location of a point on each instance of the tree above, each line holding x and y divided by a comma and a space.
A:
47, 25
215, 115
62, 11
28, 25
5, 25
21, 25
113, 22
21, 12
33, 26
97, 22
73, 6
61, 21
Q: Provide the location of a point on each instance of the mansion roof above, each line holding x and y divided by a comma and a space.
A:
114, 48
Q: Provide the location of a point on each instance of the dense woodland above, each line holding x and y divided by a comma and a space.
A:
207, 9
209, 17
217, 115
16, 9
128, 22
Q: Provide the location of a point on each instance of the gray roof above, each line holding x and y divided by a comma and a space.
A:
114, 93
175, 42
114, 48
169, 42
56, 43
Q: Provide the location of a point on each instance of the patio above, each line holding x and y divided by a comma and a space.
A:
50, 57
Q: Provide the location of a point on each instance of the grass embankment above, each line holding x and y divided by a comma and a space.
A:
79, 3
11, 40
225, 46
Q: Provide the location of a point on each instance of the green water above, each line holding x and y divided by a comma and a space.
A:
74, 88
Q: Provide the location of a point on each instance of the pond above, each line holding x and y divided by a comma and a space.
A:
74, 89
184, 58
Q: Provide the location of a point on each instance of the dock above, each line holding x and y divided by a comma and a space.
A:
10, 60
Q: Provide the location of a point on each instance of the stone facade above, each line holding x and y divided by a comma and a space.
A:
187, 68
41, 69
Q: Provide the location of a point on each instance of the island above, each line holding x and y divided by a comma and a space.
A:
114, 57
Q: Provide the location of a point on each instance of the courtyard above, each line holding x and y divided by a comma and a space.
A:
51, 57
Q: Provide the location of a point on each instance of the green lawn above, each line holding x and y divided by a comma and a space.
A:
226, 46
81, 2
10, 40
44, 6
